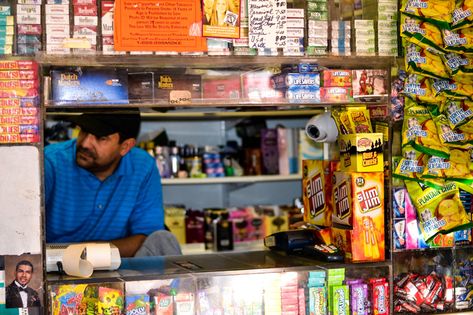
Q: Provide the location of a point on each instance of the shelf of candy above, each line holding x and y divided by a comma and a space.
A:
279, 85
424, 283
19, 102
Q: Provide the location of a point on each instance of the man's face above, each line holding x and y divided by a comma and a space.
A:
98, 154
23, 274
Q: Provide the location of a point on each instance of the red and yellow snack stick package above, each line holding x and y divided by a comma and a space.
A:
420, 132
424, 61
316, 210
451, 137
420, 89
343, 122
438, 210
421, 33
462, 15
458, 112
460, 41
438, 12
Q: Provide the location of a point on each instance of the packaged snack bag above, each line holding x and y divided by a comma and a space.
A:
110, 301
460, 41
462, 15
458, 166
451, 137
458, 112
438, 210
420, 89
438, 12
452, 89
137, 304
412, 164
360, 119
313, 187
424, 61
420, 132
343, 122
67, 299
421, 33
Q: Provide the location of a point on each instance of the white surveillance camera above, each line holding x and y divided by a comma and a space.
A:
322, 128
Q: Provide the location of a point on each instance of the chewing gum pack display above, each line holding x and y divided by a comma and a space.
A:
438, 210
314, 195
363, 216
341, 78
361, 152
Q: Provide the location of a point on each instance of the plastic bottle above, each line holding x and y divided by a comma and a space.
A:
161, 162
174, 159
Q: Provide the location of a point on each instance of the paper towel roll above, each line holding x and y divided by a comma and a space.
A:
322, 128
80, 259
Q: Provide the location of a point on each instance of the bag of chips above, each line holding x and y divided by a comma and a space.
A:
438, 210
424, 61
450, 137
421, 33
462, 15
360, 119
460, 41
419, 88
411, 165
438, 12
458, 112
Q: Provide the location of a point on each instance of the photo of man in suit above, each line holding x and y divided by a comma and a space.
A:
18, 294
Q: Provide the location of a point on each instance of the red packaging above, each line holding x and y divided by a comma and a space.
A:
85, 10
257, 85
336, 77
194, 226
218, 87
29, 29
84, 2
18, 64
10, 93
336, 94
380, 296
16, 138
19, 74
22, 84
19, 120
19, 111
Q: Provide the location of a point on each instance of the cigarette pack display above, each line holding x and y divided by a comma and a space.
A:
28, 9
218, 87
166, 83
107, 17
7, 30
28, 19
5, 10
89, 86
141, 86
80, 20
56, 19
52, 9
85, 10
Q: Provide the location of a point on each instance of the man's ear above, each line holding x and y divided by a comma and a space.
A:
127, 145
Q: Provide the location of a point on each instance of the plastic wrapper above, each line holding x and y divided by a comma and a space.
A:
451, 137
110, 302
462, 15
360, 119
458, 166
460, 41
452, 89
420, 132
458, 112
412, 164
343, 122
421, 90
438, 12
421, 33
425, 61
438, 210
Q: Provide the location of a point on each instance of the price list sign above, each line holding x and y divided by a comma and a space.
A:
267, 23
158, 25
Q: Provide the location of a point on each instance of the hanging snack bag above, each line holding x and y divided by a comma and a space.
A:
438, 210
458, 166
424, 61
459, 66
419, 131
360, 119
421, 33
437, 12
458, 112
460, 41
412, 164
462, 15
419, 88
452, 89
343, 122
111, 301
451, 137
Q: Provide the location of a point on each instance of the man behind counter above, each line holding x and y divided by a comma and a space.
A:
100, 187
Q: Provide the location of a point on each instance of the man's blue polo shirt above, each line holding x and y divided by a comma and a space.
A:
80, 207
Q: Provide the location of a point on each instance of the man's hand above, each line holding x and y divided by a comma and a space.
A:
129, 245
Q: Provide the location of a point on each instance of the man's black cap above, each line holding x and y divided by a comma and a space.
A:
126, 122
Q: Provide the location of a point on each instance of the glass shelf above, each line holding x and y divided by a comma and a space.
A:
230, 180
240, 62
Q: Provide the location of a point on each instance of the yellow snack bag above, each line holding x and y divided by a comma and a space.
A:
342, 121
450, 137
421, 33
419, 130
462, 15
419, 88
424, 61
412, 164
458, 112
360, 119
456, 167
438, 12
452, 89
460, 41
438, 210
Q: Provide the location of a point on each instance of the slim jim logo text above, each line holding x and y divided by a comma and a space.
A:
315, 192
342, 203
368, 199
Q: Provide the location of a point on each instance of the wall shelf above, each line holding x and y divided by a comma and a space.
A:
230, 180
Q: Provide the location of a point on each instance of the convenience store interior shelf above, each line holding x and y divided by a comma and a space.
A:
179, 61
230, 179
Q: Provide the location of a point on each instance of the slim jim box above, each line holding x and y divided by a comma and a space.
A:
361, 152
314, 193
358, 216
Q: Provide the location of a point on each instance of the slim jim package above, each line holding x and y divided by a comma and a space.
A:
314, 194
359, 226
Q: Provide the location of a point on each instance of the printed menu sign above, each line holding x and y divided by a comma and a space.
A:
267, 19
158, 25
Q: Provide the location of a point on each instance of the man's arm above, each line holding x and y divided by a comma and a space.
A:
129, 245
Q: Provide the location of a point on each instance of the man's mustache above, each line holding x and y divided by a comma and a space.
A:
86, 152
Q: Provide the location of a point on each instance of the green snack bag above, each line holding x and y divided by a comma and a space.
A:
450, 137
421, 33
425, 61
411, 165
438, 12
420, 89
438, 210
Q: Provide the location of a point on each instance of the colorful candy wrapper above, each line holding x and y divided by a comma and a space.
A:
420, 132
110, 301
438, 210
458, 112
67, 299
424, 61
137, 304
421, 33
437, 12
359, 299
360, 119
379, 288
